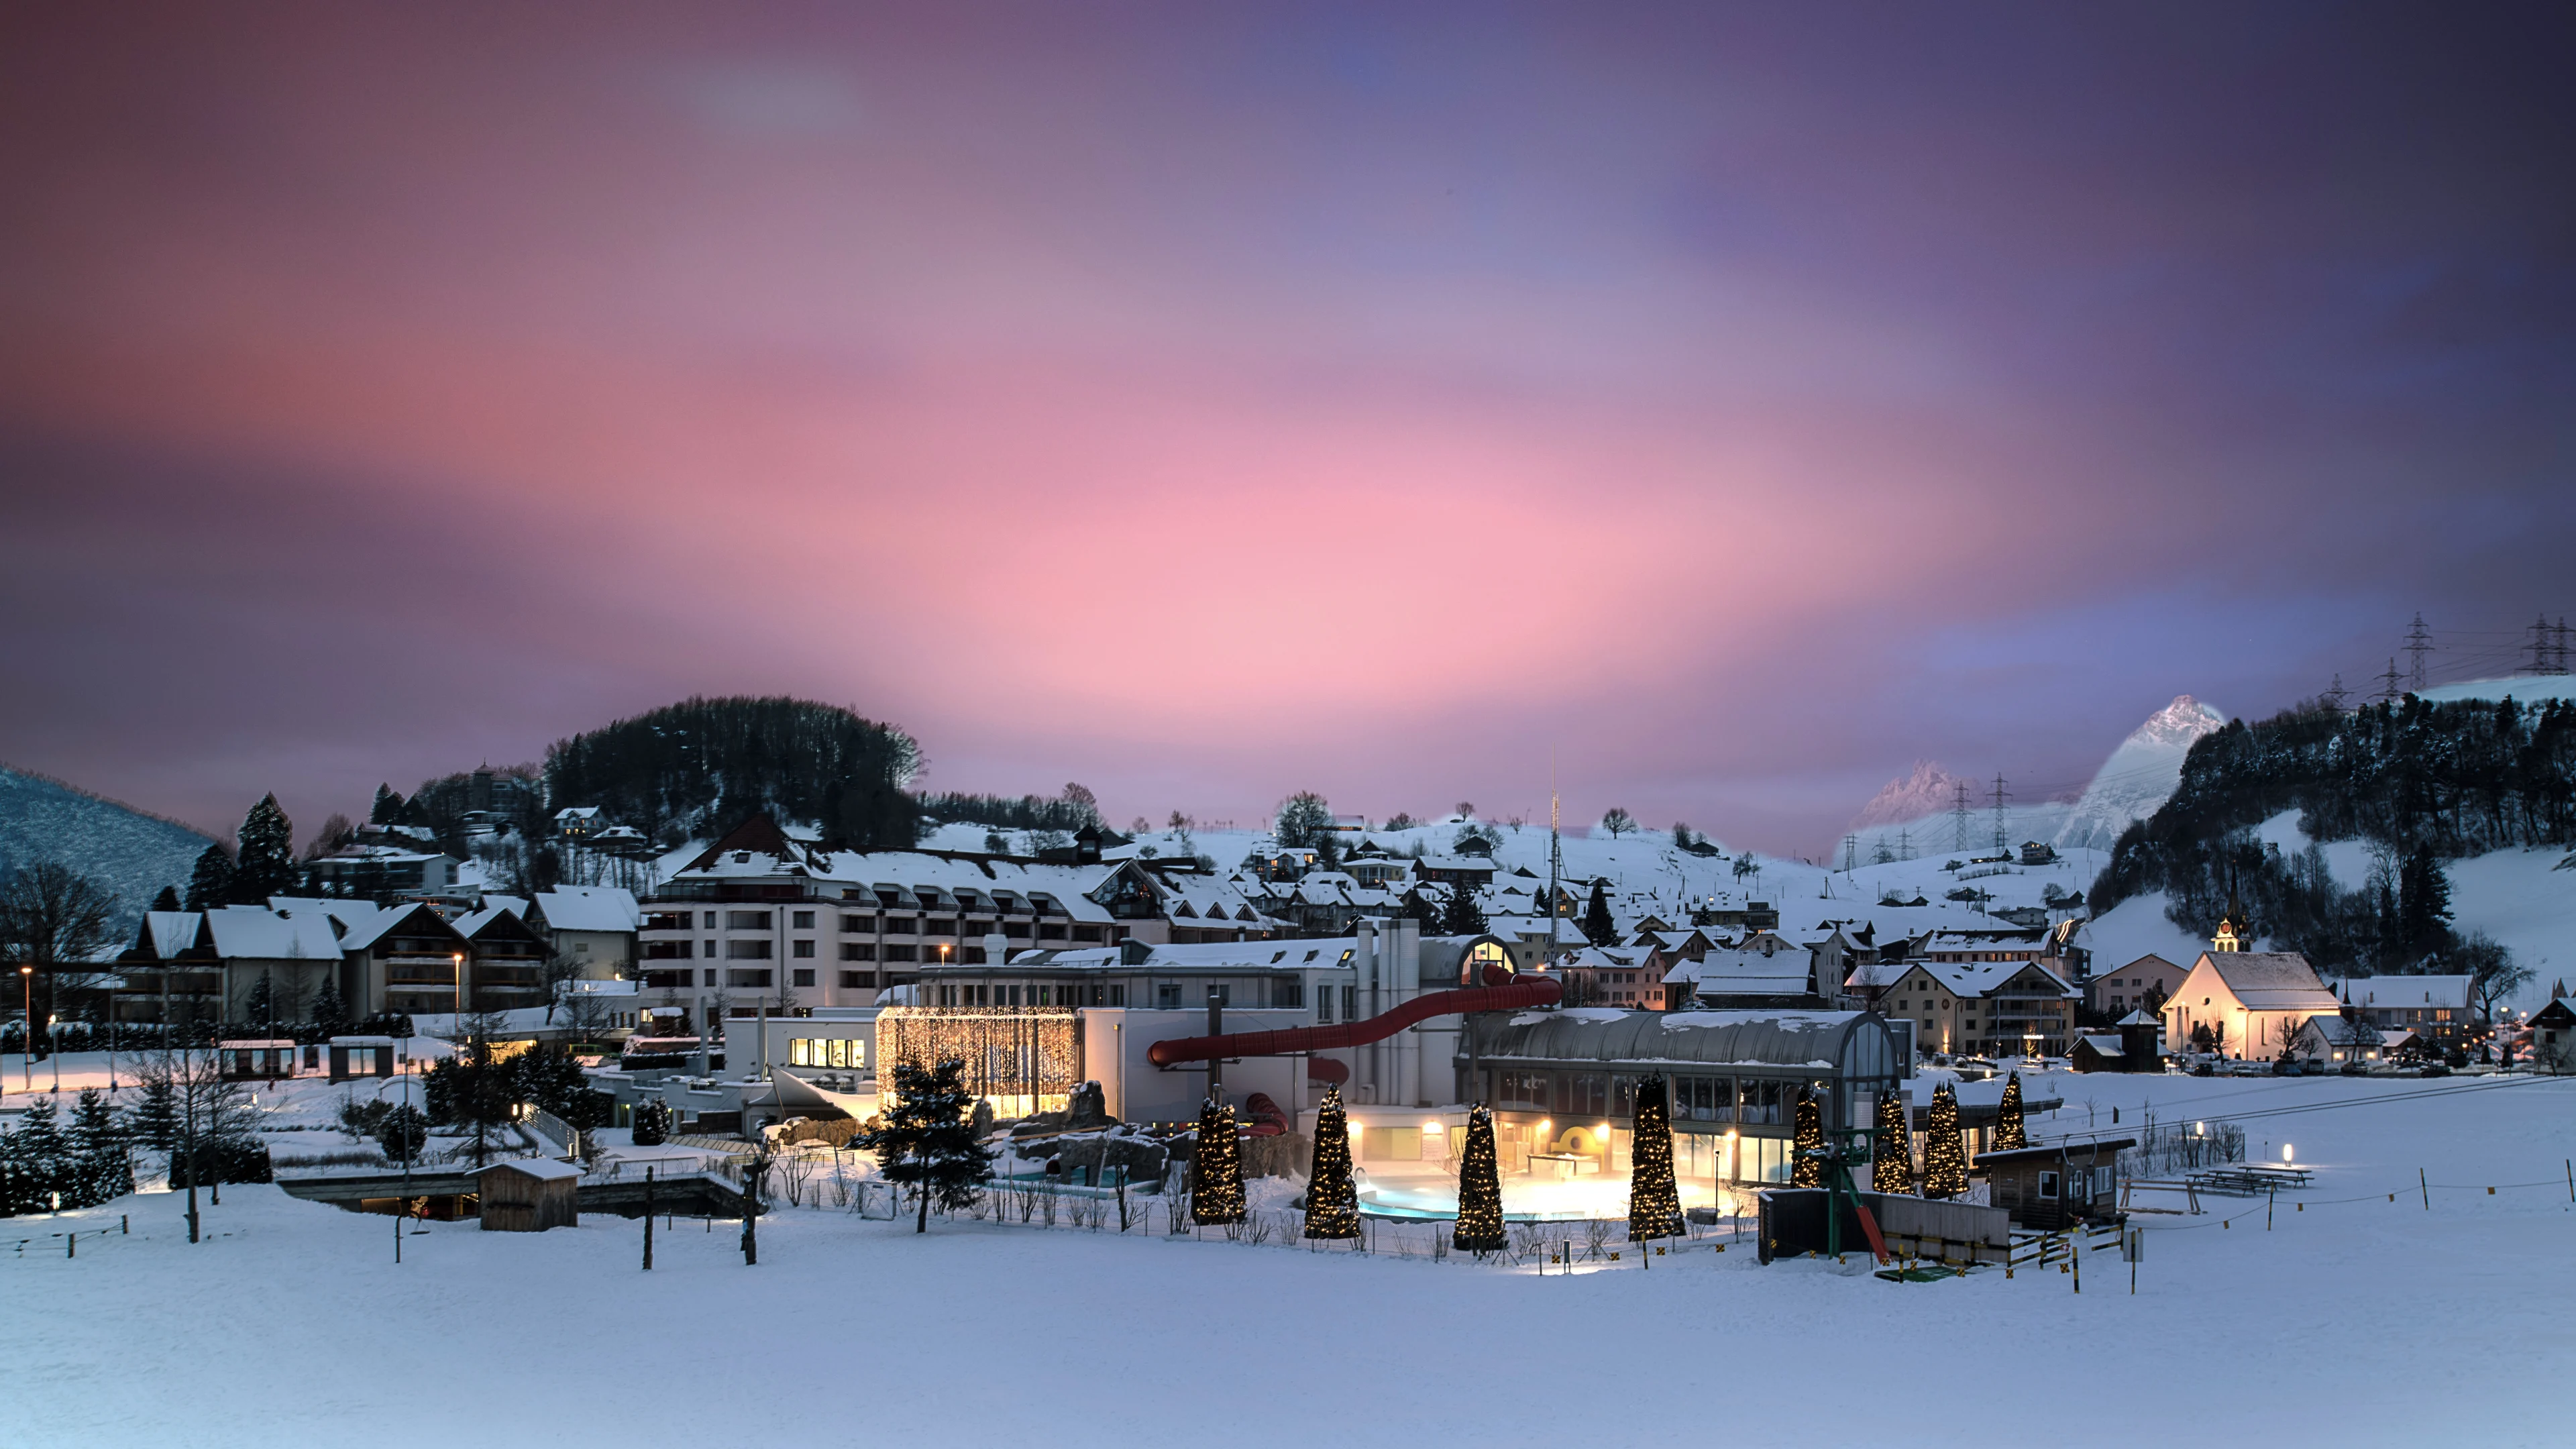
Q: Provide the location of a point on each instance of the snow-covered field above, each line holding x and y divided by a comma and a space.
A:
2356, 1321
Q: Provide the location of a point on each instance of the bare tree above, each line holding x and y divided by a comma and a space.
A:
561, 968
2493, 973
55, 920
336, 832
588, 1014
211, 1115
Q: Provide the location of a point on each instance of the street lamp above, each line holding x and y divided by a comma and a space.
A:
27, 1046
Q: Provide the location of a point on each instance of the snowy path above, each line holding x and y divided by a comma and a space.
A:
2362, 1322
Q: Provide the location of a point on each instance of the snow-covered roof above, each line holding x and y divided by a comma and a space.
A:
543, 1168
590, 908
1969, 978
2271, 980
2407, 993
258, 933
1803, 1039
1727, 972
363, 934
171, 932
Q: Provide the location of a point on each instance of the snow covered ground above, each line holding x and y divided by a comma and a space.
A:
2356, 1321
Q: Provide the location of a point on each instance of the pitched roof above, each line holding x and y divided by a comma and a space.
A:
258, 933
2272, 980
590, 908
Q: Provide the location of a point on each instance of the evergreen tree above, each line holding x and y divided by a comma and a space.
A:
388, 808
1480, 1190
1654, 1199
39, 1163
2423, 905
210, 884
267, 863
1945, 1154
927, 1141
1891, 1151
168, 900
154, 1118
256, 1007
1806, 1169
1598, 928
404, 1131
1216, 1167
2008, 1128
330, 1013
1465, 916
105, 1172
1332, 1199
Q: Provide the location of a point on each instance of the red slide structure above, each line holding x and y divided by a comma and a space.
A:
1514, 994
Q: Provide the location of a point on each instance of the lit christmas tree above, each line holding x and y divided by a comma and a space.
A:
1332, 1203
1480, 1190
1654, 1204
1807, 1169
1891, 1154
1217, 1195
2008, 1129
1945, 1156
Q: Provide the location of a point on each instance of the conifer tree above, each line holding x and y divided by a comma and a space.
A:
1807, 1169
1945, 1154
927, 1141
1598, 927
39, 1161
168, 900
405, 1131
1891, 1152
1480, 1190
1332, 1199
388, 808
210, 884
2008, 1128
1465, 917
104, 1172
154, 1118
1654, 1199
1216, 1167
330, 1013
267, 863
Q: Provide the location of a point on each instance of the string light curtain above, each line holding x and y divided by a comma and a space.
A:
1480, 1190
2008, 1128
1332, 1200
1945, 1155
1891, 1152
1806, 1168
1654, 1201
1217, 1197
1028, 1054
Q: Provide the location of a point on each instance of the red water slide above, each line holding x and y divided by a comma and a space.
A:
1518, 992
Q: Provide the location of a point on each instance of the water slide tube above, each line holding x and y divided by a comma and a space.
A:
1515, 994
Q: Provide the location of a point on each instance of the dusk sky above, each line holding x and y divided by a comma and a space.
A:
1205, 403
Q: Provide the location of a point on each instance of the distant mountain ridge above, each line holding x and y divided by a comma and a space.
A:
124, 849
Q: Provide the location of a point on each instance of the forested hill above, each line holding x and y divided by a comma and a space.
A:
116, 846
2427, 782
697, 767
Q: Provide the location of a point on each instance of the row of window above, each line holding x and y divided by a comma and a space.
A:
853, 925
1750, 1101
827, 1051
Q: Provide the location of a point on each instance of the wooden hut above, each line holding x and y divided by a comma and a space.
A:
529, 1195
2054, 1185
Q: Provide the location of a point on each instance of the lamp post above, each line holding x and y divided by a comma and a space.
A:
27, 1045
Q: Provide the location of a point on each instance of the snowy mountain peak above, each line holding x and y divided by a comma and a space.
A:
2141, 774
2178, 725
1928, 791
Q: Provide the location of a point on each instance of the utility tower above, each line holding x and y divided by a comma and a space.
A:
2389, 682
2548, 647
1959, 815
2562, 643
1851, 852
2002, 837
2336, 694
1905, 845
2419, 642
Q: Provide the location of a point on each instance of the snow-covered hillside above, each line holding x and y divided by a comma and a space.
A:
127, 851
2529, 688
2141, 775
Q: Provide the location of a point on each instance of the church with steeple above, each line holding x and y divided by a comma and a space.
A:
2241, 1002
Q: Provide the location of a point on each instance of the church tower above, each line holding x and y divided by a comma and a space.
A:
2232, 934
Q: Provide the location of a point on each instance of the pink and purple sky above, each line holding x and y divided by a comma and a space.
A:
1741, 403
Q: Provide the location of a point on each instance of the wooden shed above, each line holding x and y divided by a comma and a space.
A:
2055, 1185
529, 1195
